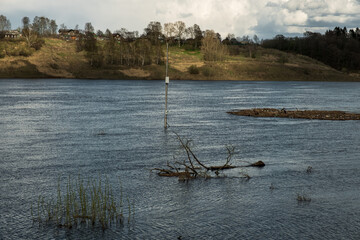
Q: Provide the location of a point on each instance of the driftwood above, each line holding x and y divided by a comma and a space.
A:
304, 114
191, 167
257, 164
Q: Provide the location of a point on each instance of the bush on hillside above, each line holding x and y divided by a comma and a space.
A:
207, 71
193, 69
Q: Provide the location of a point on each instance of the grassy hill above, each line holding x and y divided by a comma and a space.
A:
59, 59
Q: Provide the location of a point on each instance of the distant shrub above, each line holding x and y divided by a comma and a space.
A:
283, 59
25, 51
344, 70
15, 47
234, 50
38, 44
189, 47
193, 69
54, 66
157, 73
303, 198
96, 59
208, 71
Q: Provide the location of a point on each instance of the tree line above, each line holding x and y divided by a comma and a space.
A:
124, 47
129, 48
339, 48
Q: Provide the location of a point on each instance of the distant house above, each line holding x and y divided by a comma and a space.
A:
117, 36
69, 34
13, 34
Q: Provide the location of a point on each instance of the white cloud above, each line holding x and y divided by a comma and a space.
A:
266, 18
334, 18
294, 18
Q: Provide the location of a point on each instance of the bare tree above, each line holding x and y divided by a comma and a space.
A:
63, 26
109, 47
30, 36
212, 48
153, 32
5, 24
256, 39
41, 25
230, 36
190, 31
28, 32
198, 35
53, 27
89, 27
180, 29
100, 33
26, 22
143, 51
169, 30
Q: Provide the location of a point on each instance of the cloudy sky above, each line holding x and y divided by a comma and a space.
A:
266, 18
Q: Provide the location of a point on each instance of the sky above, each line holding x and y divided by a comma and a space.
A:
265, 18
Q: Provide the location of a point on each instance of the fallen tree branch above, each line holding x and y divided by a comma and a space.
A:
191, 167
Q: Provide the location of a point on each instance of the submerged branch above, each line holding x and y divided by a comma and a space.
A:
191, 167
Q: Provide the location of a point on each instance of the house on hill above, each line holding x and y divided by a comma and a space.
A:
117, 37
12, 34
69, 34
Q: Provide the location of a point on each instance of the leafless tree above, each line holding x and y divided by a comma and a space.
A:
212, 48
30, 35
190, 31
53, 27
26, 22
180, 29
89, 27
169, 30
63, 26
5, 24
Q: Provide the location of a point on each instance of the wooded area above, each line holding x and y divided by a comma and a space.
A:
338, 48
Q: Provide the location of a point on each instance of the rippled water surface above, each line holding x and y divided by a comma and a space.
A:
60, 128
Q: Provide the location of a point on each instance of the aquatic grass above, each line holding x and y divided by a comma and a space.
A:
89, 203
303, 198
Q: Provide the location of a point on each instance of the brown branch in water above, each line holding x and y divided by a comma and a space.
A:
224, 167
191, 167
197, 160
188, 151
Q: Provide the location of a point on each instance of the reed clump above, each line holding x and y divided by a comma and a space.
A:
303, 198
90, 203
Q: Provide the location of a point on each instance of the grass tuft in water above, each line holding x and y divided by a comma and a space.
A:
89, 203
303, 198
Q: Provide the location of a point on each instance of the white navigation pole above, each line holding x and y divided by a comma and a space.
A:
166, 84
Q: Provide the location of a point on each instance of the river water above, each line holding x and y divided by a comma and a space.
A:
57, 128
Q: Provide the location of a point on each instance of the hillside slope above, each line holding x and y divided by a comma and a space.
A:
59, 59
